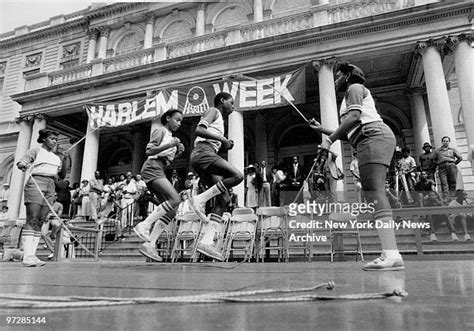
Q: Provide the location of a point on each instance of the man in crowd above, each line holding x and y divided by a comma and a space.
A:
426, 161
447, 159
265, 192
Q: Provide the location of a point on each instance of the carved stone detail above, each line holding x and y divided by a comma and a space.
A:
331, 62
33, 60
3, 67
71, 50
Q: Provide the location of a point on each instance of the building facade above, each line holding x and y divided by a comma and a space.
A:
417, 57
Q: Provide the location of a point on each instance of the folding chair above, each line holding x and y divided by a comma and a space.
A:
272, 226
165, 242
336, 235
187, 236
242, 228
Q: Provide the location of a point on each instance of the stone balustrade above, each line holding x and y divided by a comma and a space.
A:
71, 74
277, 26
129, 60
268, 28
353, 10
196, 45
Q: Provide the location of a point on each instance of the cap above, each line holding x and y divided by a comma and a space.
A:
426, 145
398, 149
84, 180
6, 184
190, 173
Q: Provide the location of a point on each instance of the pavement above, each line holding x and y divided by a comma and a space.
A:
439, 296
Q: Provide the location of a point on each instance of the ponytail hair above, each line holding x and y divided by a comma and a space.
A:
170, 114
45, 133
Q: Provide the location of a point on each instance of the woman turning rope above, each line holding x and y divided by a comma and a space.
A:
40, 190
374, 142
161, 151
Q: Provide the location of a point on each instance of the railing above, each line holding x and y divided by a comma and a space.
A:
196, 45
353, 10
129, 60
269, 28
277, 26
70, 74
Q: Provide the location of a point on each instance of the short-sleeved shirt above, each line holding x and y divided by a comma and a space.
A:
443, 155
358, 97
407, 164
216, 126
427, 162
455, 203
159, 137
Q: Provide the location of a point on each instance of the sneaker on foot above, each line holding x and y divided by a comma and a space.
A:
210, 250
50, 256
454, 237
384, 263
467, 237
39, 262
142, 232
150, 252
29, 261
196, 208
433, 237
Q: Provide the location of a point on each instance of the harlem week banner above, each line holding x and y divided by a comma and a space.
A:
249, 93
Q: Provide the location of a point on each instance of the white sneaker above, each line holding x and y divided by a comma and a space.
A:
384, 263
150, 252
29, 261
433, 237
454, 237
210, 250
467, 237
39, 262
50, 256
142, 232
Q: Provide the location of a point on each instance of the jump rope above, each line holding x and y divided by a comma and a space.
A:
28, 301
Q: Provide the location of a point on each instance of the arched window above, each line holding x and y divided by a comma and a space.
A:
230, 16
129, 43
177, 30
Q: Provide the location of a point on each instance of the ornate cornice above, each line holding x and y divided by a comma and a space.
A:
93, 33
24, 118
438, 43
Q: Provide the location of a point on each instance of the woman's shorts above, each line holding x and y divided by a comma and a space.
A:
46, 185
202, 156
153, 169
374, 143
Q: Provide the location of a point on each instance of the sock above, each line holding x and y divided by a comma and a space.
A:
28, 238
210, 230
162, 210
392, 253
158, 229
36, 239
387, 235
211, 192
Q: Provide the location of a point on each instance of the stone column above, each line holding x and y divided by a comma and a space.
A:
104, 36
76, 161
261, 138
236, 154
464, 64
138, 155
438, 100
257, 11
200, 19
93, 33
91, 153
148, 41
38, 124
18, 177
329, 113
420, 124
